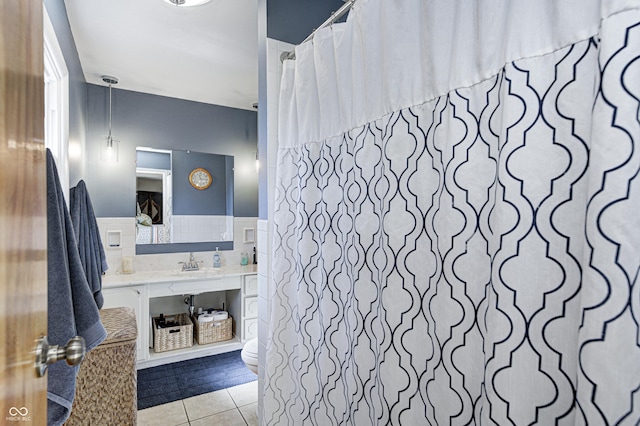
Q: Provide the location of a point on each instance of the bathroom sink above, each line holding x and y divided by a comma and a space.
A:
202, 272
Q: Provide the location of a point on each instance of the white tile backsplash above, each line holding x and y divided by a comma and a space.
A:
198, 228
169, 261
127, 229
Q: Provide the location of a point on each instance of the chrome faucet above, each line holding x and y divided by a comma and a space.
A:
192, 264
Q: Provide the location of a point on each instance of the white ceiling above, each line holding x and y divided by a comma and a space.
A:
206, 53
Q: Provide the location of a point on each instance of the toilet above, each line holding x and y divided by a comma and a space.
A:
249, 354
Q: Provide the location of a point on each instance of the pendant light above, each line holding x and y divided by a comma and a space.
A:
109, 152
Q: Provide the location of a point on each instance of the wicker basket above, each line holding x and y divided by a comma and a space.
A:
171, 338
106, 386
215, 331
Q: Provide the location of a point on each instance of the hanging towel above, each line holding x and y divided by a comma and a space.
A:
87, 234
71, 307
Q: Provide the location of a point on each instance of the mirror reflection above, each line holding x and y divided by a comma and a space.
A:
182, 197
153, 196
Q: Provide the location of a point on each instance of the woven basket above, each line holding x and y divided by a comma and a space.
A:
171, 338
106, 386
215, 331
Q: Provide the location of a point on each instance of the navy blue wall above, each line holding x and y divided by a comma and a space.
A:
188, 200
77, 86
153, 160
141, 119
293, 20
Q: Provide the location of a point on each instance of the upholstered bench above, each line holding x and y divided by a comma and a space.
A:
106, 386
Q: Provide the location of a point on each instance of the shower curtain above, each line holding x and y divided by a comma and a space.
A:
457, 230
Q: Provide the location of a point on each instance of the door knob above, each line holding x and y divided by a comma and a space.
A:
47, 354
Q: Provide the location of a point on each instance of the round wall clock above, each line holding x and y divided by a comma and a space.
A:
200, 178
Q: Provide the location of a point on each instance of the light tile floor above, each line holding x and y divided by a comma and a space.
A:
234, 406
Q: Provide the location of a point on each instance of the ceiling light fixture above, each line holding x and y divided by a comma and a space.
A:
187, 3
109, 151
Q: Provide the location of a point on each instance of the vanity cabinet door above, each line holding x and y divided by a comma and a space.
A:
250, 329
131, 297
251, 285
249, 326
251, 307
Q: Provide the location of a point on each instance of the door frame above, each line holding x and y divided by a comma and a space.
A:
56, 77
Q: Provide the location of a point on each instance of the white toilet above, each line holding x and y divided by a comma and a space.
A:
249, 354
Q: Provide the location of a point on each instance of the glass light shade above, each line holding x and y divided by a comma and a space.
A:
109, 150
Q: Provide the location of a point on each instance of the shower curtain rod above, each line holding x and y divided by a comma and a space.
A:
333, 18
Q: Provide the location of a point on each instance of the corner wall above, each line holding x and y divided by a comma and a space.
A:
77, 89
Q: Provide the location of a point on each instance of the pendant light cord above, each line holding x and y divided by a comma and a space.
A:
109, 137
110, 80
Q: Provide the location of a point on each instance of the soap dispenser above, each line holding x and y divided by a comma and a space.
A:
216, 259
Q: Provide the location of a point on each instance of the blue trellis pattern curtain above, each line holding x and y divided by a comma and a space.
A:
471, 258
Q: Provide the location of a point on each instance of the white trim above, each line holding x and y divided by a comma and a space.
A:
56, 76
148, 149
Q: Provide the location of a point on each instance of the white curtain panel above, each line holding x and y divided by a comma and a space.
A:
457, 230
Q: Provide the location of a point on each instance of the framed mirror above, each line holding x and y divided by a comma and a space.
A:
184, 201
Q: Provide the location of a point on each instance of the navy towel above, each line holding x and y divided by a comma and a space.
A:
90, 246
71, 307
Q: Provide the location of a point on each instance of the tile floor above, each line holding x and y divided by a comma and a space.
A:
234, 406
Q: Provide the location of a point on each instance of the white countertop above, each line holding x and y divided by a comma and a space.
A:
146, 277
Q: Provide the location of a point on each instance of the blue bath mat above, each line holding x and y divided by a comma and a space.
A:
184, 379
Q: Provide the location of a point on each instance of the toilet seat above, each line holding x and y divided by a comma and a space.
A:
249, 354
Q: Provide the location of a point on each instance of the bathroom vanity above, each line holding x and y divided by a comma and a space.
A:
151, 293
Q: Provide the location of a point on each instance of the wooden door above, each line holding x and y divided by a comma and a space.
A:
23, 221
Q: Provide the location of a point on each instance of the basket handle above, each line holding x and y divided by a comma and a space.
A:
175, 330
